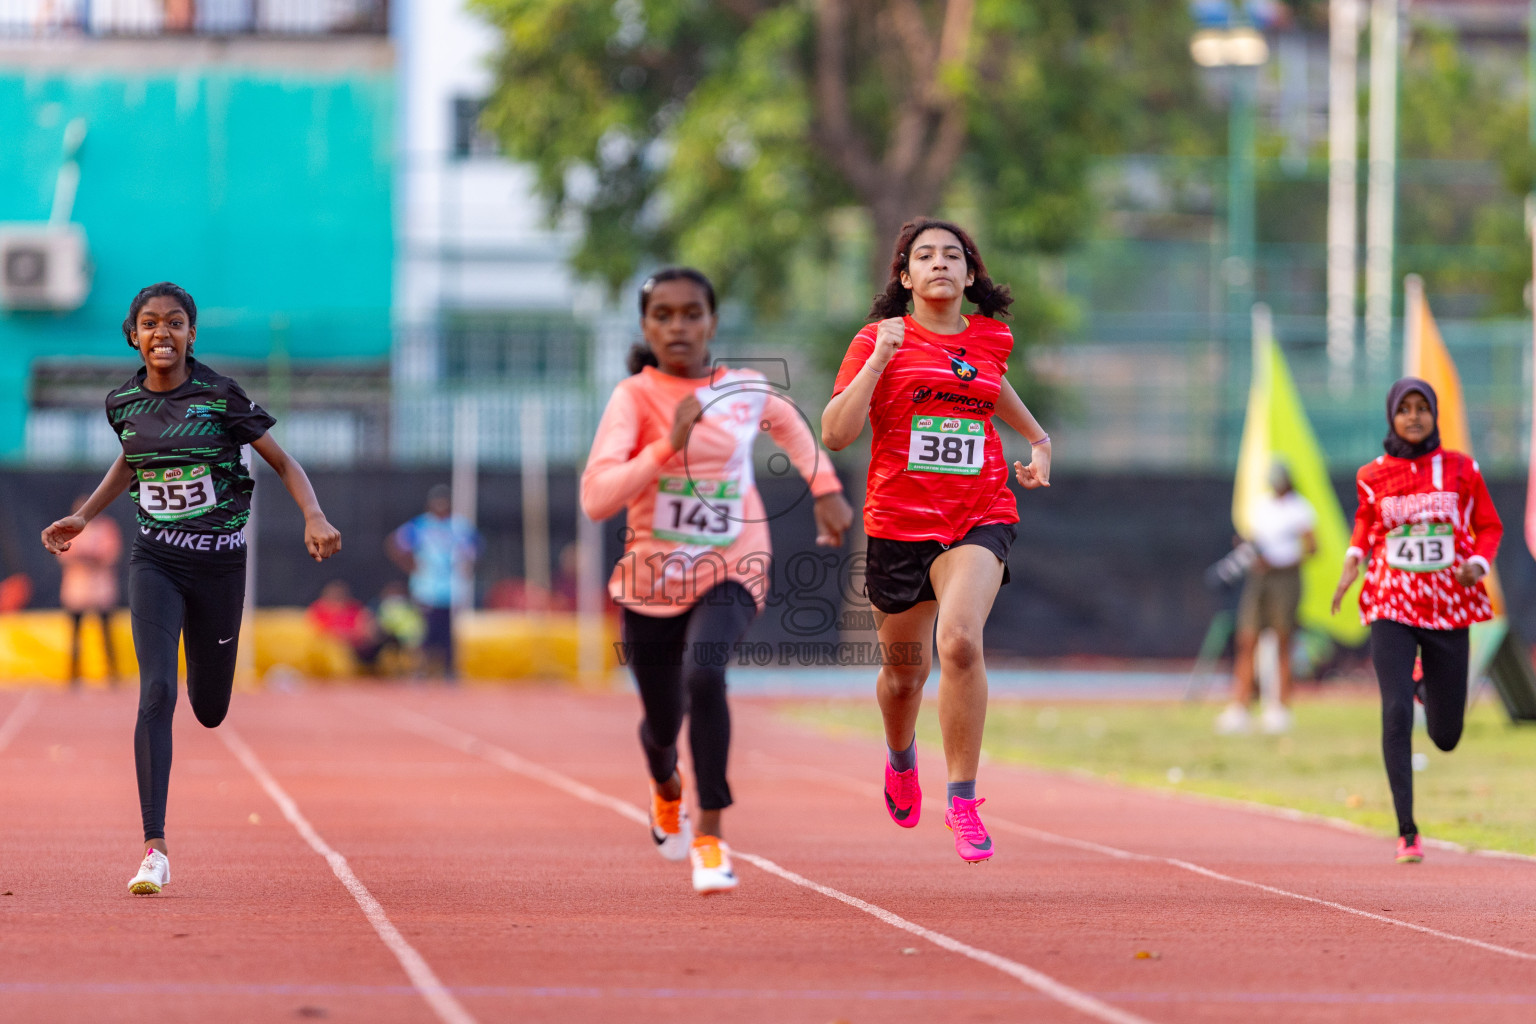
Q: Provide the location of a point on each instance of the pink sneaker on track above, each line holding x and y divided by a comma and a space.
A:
903, 796
1409, 849
971, 840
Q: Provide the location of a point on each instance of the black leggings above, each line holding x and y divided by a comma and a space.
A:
679, 666
1443, 689
174, 593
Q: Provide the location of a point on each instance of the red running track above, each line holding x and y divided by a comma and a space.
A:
485, 864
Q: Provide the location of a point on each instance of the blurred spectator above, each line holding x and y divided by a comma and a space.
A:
438, 549
401, 626
518, 595
1282, 540
343, 618
89, 586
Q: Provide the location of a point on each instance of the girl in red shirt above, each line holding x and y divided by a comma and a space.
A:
1427, 526
938, 513
674, 451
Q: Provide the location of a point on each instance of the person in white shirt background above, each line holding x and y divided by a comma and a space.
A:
1281, 540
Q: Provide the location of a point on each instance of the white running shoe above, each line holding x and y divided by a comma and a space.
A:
711, 865
670, 829
1233, 721
1276, 720
154, 874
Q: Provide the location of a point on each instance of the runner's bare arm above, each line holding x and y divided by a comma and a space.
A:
1013, 411
321, 538
57, 536
844, 416
1347, 577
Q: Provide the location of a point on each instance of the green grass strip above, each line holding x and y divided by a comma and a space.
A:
1480, 795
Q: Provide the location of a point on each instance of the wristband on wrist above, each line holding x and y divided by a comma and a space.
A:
1044, 440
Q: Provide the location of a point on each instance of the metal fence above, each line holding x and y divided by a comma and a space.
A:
22, 18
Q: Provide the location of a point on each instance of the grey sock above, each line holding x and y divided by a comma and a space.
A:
964, 790
903, 760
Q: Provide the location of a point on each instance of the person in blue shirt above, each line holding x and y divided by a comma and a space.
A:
438, 550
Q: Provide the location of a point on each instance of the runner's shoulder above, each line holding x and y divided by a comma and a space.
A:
129, 390
985, 327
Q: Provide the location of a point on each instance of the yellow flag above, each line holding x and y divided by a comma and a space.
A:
1276, 429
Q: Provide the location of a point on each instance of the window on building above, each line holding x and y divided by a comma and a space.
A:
469, 138
514, 347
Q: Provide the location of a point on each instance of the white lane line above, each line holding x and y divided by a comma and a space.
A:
1042, 983
23, 710
425, 981
1004, 825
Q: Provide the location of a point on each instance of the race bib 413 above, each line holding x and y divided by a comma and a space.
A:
1422, 547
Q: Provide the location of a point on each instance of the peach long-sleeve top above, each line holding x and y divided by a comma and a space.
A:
695, 518
89, 580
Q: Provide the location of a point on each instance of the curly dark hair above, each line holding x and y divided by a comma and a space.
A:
640, 354
162, 289
990, 298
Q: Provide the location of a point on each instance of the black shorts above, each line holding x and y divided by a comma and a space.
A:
896, 571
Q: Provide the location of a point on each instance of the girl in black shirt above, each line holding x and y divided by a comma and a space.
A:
181, 426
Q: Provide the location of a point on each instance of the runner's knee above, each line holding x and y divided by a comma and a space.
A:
903, 680
959, 647
1445, 735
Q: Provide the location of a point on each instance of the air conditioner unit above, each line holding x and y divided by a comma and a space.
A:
43, 267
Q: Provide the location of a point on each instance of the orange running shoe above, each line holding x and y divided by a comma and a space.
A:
670, 830
711, 866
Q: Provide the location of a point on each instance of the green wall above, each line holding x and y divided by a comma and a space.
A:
266, 194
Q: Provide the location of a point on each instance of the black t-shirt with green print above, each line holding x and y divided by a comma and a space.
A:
183, 447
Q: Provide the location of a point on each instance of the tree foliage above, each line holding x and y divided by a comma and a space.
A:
727, 133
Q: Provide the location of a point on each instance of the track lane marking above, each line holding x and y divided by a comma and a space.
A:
473, 745
24, 709
1004, 825
447, 1008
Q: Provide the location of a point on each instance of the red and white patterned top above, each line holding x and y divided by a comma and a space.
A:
1441, 487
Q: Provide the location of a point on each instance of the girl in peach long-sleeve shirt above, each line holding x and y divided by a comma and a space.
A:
674, 450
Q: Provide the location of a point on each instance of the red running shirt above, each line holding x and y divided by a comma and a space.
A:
951, 381
1404, 505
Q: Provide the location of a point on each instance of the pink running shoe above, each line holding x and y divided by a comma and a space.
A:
903, 796
1409, 849
971, 840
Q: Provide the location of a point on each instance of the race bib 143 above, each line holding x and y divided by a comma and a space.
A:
179, 492
697, 511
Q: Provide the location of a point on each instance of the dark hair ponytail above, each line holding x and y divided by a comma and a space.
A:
640, 354
163, 289
989, 297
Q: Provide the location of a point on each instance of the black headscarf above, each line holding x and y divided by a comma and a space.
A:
1396, 445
